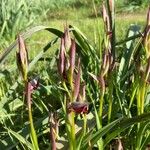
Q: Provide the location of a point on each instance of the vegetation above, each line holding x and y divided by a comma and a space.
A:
16, 16
74, 92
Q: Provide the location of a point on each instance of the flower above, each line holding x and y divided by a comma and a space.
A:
34, 84
78, 107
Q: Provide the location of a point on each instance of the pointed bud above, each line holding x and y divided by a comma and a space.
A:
111, 5
104, 13
77, 82
148, 17
147, 69
81, 97
72, 56
146, 41
106, 19
22, 58
61, 61
67, 39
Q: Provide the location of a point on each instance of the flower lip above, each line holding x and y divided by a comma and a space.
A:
34, 84
78, 107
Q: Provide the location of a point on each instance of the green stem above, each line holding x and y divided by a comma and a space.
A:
32, 129
65, 87
111, 13
33, 133
84, 125
100, 142
83, 133
110, 97
101, 101
140, 105
139, 102
22, 112
143, 97
72, 131
110, 106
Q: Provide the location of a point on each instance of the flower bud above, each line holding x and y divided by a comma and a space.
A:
77, 82
22, 58
67, 39
72, 56
61, 61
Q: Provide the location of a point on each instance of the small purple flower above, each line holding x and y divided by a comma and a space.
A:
30, 87
34, 84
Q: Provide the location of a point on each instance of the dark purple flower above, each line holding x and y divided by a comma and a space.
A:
78, 107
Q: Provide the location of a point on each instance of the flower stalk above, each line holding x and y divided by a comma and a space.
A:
73, 100
22, 62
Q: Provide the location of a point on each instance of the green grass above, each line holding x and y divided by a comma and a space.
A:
89, 26
79, 18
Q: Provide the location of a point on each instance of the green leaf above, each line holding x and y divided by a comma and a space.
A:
20, 138
124, 124
26, 35
128, 53
100, 133
8, 143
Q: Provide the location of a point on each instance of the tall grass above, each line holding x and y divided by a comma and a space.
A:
16, 16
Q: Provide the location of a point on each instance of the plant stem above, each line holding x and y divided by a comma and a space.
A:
101, 109
143, 97
110, 97
109, 109
71, 137
33, 133
100, 142
65, 87
111, 13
